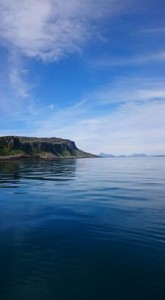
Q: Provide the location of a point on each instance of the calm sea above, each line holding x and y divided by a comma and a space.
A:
85, 229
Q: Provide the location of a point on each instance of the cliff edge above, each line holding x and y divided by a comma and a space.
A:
14, 147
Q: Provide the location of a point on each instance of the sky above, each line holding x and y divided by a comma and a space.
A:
90, 71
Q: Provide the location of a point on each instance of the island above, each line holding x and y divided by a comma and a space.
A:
20, 147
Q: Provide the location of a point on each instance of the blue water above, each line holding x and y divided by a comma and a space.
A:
83, 229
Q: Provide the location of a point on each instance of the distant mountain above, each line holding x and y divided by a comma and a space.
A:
102, 154
138, 155
106, 155
15, 147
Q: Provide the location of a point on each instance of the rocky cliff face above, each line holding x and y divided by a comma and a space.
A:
48, 148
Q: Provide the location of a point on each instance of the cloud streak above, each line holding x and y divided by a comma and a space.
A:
152, 31
18, 78
129, 90
107, 62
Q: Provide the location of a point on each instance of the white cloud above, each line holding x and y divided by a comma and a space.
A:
47, 30
50, 29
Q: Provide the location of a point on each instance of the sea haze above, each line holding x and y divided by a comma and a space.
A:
82, 229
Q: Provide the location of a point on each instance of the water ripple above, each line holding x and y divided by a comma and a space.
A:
82, 229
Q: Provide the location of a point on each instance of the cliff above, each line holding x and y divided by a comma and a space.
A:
14, 147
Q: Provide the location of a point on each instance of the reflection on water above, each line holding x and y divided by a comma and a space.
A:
82, 229
14, 171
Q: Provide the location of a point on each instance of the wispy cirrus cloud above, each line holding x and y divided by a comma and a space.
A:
47, 30
153, 31
129, 90
50, 29
18, 78
106, 62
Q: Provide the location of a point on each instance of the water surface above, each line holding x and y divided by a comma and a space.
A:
82, 229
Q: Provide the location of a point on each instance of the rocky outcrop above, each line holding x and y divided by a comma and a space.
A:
46, 148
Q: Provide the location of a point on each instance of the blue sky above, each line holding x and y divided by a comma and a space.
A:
91, 71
